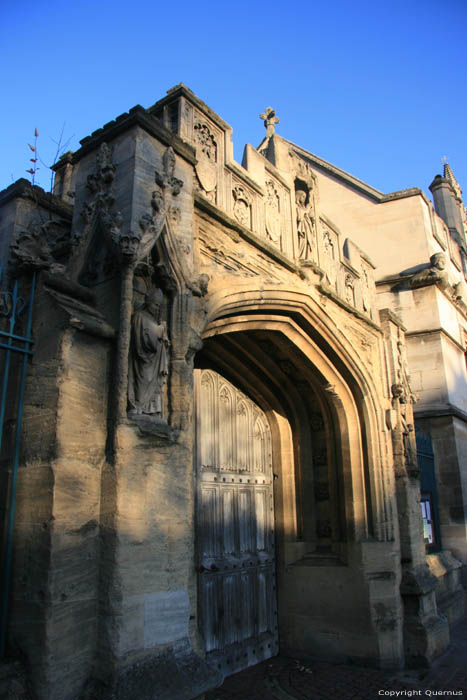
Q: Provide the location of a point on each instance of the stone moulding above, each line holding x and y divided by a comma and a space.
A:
357, 184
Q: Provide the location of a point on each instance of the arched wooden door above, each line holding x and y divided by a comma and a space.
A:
235, 525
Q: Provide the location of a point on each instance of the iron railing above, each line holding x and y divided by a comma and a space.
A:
16, 312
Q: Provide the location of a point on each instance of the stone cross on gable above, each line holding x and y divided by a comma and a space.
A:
270, 119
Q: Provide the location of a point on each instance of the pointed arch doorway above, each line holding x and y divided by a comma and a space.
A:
235, 525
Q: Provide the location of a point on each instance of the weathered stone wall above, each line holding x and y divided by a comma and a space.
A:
55, 593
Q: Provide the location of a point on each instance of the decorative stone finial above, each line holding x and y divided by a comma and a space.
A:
270, 119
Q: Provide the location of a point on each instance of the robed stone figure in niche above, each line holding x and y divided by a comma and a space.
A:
305, 224
148, 366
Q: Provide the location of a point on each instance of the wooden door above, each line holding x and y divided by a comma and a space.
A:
235, 525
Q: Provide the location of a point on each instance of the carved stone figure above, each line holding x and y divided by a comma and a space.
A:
410, 453
435, 274
241, 208
148, 367
400, 399
350, 289
305, 225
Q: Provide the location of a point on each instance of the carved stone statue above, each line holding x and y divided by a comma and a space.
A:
148, 367
399, 397
435, 274
305, 225
410, 453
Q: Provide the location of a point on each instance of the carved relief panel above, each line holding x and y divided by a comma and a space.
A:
272, 214
235, 524
208, 141
329, 258
242, 204
207, 153
276, 226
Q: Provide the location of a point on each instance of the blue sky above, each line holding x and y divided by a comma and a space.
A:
376, 89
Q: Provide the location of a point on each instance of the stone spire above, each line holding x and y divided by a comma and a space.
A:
449, 175
270, 120
447, 196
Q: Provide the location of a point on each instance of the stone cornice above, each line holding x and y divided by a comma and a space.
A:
401, 283
440, 411
437, 331
354, 182
137, 116
23, 189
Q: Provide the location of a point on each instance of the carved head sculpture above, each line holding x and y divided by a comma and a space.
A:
300, 198
153, 301
129, 244
438, 260
302, 193
398, 392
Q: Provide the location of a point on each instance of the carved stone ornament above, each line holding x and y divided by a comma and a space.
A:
242, 206
435, 274
403, 377
100, 182
270, 120
148, 366
166, 179
31, 250
272, 213
206, 151
133, 246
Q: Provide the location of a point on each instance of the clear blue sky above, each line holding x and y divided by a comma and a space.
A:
376, 88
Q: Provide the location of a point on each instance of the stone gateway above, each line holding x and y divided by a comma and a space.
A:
232, 434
